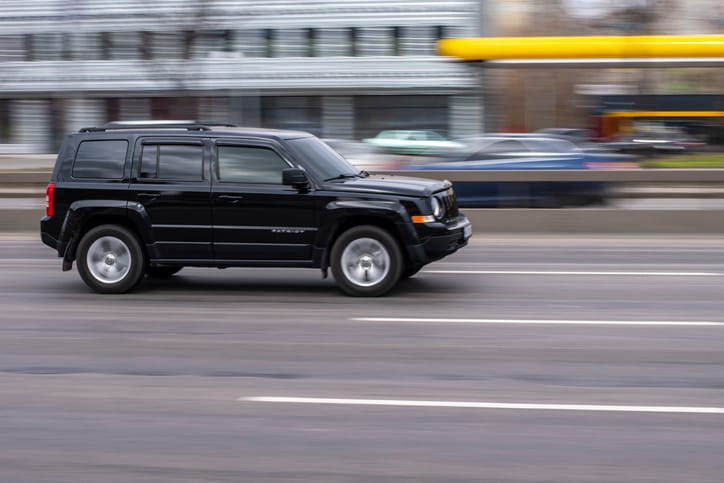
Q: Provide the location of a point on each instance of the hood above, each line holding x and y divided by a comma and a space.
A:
389, 184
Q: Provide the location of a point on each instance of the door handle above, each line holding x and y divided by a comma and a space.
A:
230, 199
148, 196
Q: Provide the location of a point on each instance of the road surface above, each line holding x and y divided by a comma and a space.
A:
516, 360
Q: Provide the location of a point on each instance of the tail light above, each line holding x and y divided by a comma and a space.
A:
49, 192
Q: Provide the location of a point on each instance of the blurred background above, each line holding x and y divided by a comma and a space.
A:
341, 69
153, 386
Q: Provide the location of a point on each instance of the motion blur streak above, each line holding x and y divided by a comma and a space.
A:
583, 47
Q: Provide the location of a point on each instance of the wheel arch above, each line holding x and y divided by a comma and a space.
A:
94, 220
353, 220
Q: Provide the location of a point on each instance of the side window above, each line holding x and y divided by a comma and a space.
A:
182, 162
507, 146
551, 146
433, 136
102, 159
250, 164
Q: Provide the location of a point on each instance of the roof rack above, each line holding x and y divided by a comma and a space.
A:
187, 125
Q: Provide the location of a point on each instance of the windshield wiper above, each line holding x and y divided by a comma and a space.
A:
341, 176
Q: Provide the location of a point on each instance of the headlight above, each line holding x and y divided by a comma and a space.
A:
436, 207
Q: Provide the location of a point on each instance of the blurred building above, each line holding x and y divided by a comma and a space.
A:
338, 68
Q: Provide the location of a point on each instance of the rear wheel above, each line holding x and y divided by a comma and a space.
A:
366, 261
110, 259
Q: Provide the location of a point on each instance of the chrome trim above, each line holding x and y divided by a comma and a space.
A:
365, 262
109, 260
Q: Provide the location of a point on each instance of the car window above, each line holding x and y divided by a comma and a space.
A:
250, 164
507, 146
390, 135
550, 145
172, 162
102, 159
417, 136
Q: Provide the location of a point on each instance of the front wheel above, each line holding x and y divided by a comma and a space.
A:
366, 261
110, 259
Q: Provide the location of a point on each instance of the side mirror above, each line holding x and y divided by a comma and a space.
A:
295, 177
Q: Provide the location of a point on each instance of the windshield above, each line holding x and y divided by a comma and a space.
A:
321, 159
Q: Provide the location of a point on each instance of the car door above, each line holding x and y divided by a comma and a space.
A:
171, 182
256, 217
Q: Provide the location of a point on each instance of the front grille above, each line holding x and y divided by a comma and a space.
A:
449, 204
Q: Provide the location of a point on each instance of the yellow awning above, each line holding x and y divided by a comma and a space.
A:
667, 114
597, 47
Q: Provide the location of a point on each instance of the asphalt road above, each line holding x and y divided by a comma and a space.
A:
516, 360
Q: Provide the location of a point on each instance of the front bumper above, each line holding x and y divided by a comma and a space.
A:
441, 240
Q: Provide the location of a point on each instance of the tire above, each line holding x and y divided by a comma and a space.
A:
110, 259
366, 261
163, 271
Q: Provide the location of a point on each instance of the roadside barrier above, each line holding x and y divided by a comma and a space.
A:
631, 183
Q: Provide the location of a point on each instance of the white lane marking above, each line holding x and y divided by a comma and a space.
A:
617, 274
702, 323
488, 405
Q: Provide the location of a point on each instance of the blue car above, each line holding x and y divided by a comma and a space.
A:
525, 152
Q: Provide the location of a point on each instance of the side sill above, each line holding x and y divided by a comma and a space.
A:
236, 263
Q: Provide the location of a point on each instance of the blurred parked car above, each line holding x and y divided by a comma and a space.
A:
502, 147
411, 141
525, 152
658, 142
364, 156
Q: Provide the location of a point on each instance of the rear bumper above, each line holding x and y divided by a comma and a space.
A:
45, 235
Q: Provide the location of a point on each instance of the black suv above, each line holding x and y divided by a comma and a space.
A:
134, 199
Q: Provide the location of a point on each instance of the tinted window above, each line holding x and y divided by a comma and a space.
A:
172, 162
100, 159
248, 164
551, 145
506, 147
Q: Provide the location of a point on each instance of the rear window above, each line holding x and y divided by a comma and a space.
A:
101, 159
